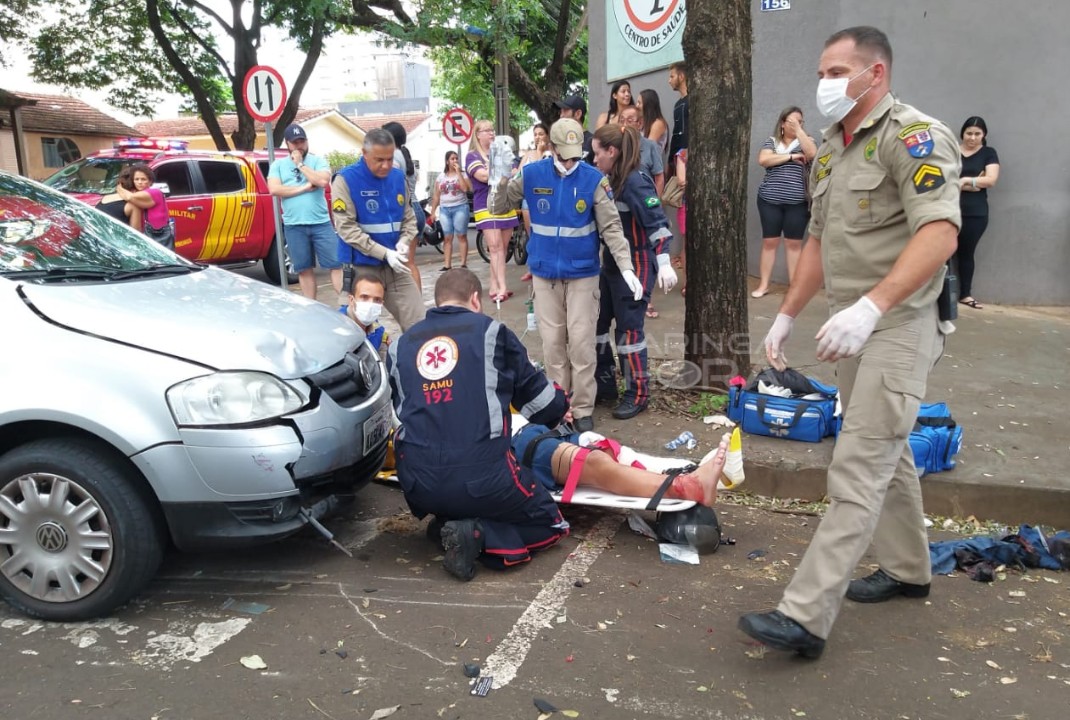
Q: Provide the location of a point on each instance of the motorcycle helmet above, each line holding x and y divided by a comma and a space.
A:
697, 526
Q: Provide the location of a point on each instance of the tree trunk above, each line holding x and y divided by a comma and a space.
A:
717, 48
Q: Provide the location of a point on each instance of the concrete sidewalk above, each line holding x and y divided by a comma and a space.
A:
1005, 374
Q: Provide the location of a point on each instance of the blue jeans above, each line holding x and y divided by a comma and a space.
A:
309, 243
454, 219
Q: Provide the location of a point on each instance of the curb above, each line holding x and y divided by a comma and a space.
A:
943, 494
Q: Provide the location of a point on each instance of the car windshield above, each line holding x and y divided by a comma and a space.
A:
98, 176
44, 232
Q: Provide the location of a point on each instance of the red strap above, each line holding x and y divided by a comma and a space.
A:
574, 471
613, 448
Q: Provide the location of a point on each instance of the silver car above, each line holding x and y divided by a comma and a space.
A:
148, 400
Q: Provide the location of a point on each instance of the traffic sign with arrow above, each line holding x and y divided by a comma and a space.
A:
264, 93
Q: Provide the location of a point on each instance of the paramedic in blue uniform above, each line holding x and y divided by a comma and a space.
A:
885, 221
365, 307
454, 376
617, 154
375, 224
570, 206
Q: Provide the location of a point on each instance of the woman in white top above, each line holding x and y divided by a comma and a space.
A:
655, 127
782, 203
451, 194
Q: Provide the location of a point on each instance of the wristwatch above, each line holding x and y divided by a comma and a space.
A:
300, 165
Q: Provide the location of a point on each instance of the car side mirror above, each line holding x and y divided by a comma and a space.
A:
163, 187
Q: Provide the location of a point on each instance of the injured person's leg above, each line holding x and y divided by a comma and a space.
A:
600, 470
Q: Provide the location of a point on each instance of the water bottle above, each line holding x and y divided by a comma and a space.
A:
532, 325
685, 438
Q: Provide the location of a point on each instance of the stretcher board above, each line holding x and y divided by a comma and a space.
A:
594, 498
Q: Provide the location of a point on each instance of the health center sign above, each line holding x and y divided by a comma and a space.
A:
643, 35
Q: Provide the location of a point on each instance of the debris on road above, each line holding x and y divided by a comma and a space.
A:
471, 670
253, 608
678, 554
253, 662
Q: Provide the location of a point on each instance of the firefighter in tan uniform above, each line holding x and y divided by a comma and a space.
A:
885, 221
376, 225
572, 208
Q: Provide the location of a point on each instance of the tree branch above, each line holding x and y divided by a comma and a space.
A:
200, 97
188, 29
207, 11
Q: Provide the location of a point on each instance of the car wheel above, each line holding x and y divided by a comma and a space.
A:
271, 263
78, 537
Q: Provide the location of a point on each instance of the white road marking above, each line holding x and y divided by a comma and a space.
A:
504, 663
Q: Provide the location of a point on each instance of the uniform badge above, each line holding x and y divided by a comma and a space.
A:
652, 201
437, 358
870, 149
604, 182
401, 200
581, 205
543, 191
917, 139
823, 173
338, 205
543, 205
824, 159
928, 177
372, 205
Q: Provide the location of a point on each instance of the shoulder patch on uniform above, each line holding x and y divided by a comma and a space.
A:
604, 182
652, 201
401, 200
917, 139
338, 205
870, 149
928, 177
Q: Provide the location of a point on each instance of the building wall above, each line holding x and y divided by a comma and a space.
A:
35, 162
953, 59
8, 161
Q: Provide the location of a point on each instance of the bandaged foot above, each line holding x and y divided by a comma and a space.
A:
733, 464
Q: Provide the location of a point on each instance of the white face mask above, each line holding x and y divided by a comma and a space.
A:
832, 100
564, 170
366, 312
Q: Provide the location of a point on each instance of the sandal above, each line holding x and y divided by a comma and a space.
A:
972, 303
444, 268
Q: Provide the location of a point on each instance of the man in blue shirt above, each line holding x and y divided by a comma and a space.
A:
299, 179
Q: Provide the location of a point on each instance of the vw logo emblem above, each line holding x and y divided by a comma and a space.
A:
51, 537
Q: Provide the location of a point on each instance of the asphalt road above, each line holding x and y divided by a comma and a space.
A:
343, 638
599, 625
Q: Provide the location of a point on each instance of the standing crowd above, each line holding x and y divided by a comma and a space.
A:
876, 211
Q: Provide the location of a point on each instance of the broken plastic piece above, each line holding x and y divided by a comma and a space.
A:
678, 554
755, 554
471, 670
342, 653
253, 608
544, 706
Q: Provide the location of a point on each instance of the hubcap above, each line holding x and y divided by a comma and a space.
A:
56, 542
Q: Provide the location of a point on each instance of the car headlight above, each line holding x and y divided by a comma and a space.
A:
232, 398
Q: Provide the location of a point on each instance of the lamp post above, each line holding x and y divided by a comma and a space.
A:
501, 72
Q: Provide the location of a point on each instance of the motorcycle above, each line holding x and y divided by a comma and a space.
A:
431, 233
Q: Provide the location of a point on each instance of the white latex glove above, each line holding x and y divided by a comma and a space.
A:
775, 339
402, 248
844, 334
632, 281
396, 262
666, 275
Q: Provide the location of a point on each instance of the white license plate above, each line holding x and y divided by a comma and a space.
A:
377, 427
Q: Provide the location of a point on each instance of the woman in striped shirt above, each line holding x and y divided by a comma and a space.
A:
782, 203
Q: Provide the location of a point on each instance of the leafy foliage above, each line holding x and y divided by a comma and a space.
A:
15, 17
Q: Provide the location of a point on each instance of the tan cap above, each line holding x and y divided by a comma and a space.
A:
567, 137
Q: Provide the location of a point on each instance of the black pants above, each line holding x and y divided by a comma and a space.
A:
969, 235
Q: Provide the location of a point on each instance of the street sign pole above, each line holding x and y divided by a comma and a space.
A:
276, 209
